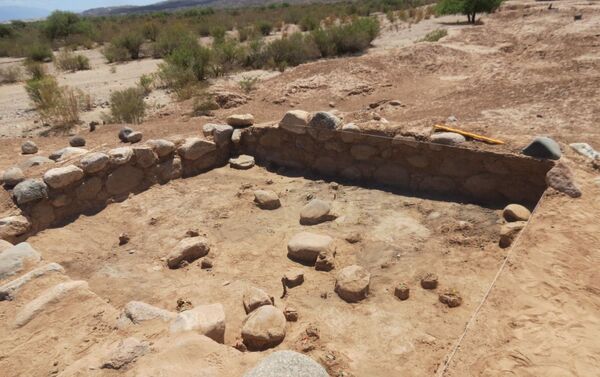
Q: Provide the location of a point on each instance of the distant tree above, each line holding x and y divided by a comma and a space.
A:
470, 8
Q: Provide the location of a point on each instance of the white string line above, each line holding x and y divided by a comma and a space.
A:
444, 367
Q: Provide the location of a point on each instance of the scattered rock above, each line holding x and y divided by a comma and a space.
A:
135, 137
29, 191
66, 153
194, 148
243, 162
586, 150
126, 352
12, 177
447, 138
208, 320
162, 148
451, 119
34, 161
395, 102
124, 239
9, 290
240, 120
266, 199
120, 156
144, 156
183, 305
228, 100
14, 226
77, 141
560, 178
138, 311
353, 237
254, 298
509, 231
295, 121
429, 281
325, 261
543, 147
94, 162
29, 147
62, 177
515, 212
324, 120
207, 263
450, 298
192, 233
287, 364
293, 277
290, 313
123, 133
188, 249
264, 328
305, 247
402, 291
13, 259
316, 212
352, 284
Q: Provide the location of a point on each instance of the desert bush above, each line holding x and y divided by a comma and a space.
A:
204, 105
247, 33
470, 8
39, 52
248, 83
187, 63
291, 51
265, 27
61, 24
5, 31
56, 105
435, 35
10, 75
115, 54
309, 23
146, 83
218, 34
131, 42
68, 61
127, 106
352, 37
36, 70
171, 38
227, 56
151, 30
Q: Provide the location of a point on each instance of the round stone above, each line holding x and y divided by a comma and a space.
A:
266, 199
352, 284
77, 141
264, 328
515, 212
12, 177
29, 147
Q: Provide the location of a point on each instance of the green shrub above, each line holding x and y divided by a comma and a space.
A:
227, 56
248, 84
127, 106
61, 24
265, 27
39, 52
435, 35
190, 61
151, 31
204, 105
5, 31
309, 23
247, 33
130, 41
114, 54
470, 8
146, 82
349, 38
68, 61
56, 105
171, 38
291, 51
218, 34
35, 69
10, 75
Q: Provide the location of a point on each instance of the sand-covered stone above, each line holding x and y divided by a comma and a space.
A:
264, 328
194, 148
120, 156
543, 147
352, 283
242, 162
509, 232
254, 298
188, 249
12, 176
58, 178
561, 179
266, 199
161, 147
287, 364
135, 137
315, 212
240, 120
9, 290
295, 121
67, 153
13, 226
138, 311
305, 247
14, 259
94, 162
447, 138
515, 212
77, 141
208, 320
29, 147
126, 352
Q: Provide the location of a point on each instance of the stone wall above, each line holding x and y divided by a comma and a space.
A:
417, 168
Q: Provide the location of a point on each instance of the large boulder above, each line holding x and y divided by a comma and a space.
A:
208, 320
124, 179
266, 199
13, 226
188, 250
13, 259
5, 245
305, 247
94, 162
30, 190
447, 138
29, 147
194, 148
12, 177
135, 137
352, 284
324, 120
58, 178
561, 179
138, 311
254, 298
315, 212
240, 120
161, 147
543, 147
295, 121
66, 153
287, 364
120, 156
264, 328
123, 133
144, 156
515, 212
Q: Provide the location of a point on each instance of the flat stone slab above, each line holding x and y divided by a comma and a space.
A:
138, 311
315, 212
305, 247
242, 162
9, 290
447, 138
543, 147
12, 260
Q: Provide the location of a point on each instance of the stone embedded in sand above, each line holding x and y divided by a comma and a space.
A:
324, 120
208, 320
561, 179
221, 133
447, 138
451, 298
243, 162
288, 364
9, 290
325, 261
124, 179
138, 311
124, 239
429, 281
254, 298
135, 137
402, 291
290, 313
48, 297
509, 231
188, 249
144, 156
12, 177
293, 277
13, 259
515, 212
316, 212
120, 156
35, 161
194, 148
586, 150
264, 328
352, 284
123, 133
295, 121
66, 153
77, 141
94, 162
13, 226
543, 147
161, 147
305, 247
266, 199
58, 178
125, 353
29, 191
240, 120
29, 147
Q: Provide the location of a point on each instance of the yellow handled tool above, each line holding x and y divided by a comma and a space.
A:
485, 139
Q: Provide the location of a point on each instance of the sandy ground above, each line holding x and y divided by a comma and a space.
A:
524, 71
